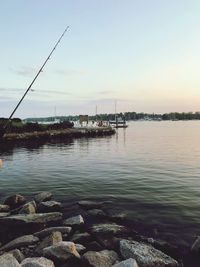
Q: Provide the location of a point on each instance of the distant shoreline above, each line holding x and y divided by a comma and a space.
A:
128, 116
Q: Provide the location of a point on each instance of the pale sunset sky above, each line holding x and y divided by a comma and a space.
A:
145, 54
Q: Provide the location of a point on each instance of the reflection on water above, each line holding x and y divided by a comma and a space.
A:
122, 133
150, 169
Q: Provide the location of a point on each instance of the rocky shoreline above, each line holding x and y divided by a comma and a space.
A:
39, 232
60, 134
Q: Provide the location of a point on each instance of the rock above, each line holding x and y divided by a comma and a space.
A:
104, 258
8, 260
127, 263
116, 214
4, 214
108, 228
28, 208
43, 196
109, 241
29, 251
74, 221
90, 204
61, 251
50, 240
96, 213
94, 246
80, 248
195, 248
17, 254
145, 255
15, 201
39, 218
4, 208
49, 206
20, 242
82, 238
48, 231
196, 245
37, 262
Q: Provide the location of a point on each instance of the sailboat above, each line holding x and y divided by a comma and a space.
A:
118, 122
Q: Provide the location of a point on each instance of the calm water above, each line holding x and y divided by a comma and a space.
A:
150, 170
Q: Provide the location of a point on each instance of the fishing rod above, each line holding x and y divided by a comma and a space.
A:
2, 131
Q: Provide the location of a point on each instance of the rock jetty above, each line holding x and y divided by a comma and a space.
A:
62, 134
38, 233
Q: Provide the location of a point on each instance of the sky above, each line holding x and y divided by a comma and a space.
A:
143, 54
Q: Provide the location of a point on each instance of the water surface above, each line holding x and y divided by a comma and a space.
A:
150, 170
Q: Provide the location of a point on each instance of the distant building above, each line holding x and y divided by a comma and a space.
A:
83, 119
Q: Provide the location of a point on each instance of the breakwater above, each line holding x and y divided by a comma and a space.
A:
61, 134
44, 232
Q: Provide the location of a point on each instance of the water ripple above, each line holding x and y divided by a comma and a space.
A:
150, 169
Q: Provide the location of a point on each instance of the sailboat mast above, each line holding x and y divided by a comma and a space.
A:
116, 111
96, 112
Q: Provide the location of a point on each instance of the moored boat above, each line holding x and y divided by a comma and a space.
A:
118, 123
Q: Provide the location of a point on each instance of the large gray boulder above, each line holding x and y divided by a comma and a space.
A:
50, 240
127, 263
43, 196
8, 260
28, 208
104, 258
108, 228
62, 229
74, 221
145, 255
38, 218
62, 251
17, 254
4, 214
37, 262
49, 206
4, 208
96, 213
21, 241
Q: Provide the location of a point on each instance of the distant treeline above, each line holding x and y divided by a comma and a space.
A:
16, 125
31, 124
127, 116
181, 116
